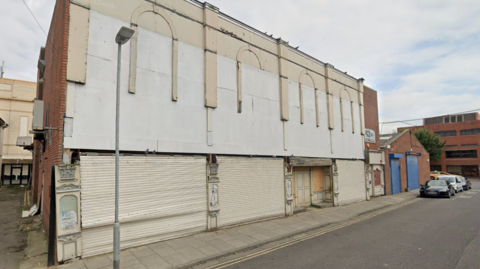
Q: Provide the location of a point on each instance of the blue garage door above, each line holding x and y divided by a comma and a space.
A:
412, 172
395, 176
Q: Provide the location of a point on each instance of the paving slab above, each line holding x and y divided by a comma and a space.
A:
206, 247
97, 262
154, 262
209, 251
175, 259
12, 241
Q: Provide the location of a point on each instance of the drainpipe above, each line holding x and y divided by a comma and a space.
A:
367, 182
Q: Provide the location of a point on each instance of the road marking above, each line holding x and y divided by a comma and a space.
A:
306, 237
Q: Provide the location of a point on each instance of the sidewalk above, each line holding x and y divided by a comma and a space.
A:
191, 250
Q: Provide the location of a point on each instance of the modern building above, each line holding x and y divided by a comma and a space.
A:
16, 105
462, 136
407, 163
374, 155
220, 124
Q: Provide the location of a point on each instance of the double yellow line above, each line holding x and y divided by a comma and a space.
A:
307, 237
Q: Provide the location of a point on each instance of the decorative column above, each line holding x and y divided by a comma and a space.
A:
331, 119
360, 105
335, 184
288, 187
67, 200
368, 179
213, 187
283, 75
210, 26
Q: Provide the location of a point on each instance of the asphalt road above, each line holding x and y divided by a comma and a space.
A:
432, 233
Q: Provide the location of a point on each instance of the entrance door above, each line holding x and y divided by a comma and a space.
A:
302, 188
412, 172
328, 185
395, 176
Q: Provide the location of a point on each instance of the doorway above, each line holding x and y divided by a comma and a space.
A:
302, 188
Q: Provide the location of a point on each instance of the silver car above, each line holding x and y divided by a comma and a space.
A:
454, 181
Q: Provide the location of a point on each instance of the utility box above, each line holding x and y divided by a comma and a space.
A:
24, 141
37, 122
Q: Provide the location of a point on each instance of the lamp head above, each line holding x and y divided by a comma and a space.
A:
123, 35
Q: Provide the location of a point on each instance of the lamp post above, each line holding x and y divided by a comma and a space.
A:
123, 35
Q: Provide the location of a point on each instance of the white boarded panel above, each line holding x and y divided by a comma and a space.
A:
351, 181
160, 198
250, 189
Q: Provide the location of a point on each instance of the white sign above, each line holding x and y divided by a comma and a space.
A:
370, 136
68, 220
214, 195
289, 190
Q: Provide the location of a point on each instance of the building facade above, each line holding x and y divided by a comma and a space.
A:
374, 155
16, 105
220, 124
3, 126
462, 136
407, 162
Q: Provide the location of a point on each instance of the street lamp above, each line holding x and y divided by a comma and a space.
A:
123, 35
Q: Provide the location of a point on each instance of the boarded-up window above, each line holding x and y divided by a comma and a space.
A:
23, 126
377, 177
317, 176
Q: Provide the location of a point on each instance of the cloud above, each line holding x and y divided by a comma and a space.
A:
22, 37
420, 55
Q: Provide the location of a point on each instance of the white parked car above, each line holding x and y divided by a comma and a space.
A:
454, 181
463, 183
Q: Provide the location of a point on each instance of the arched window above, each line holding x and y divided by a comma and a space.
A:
239, 72
346, 109
303, 74
134, 43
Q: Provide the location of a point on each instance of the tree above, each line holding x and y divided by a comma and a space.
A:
431, 143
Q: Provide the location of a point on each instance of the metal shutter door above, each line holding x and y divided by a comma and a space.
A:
351, 181
395, 176
412, 172
160, 198
250, 189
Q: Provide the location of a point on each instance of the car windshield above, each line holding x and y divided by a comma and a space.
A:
449, 179
440, 182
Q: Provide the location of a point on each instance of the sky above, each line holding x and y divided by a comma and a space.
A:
421, 56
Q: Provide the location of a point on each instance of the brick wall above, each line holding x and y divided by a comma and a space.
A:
407, 143
458, 142
54, 97
371, 115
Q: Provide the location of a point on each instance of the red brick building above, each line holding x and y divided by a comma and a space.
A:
374, 156
51, 88
462, 136
407, 162
371, 116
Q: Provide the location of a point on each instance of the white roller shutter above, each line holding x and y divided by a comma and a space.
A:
160, 198
250, 189
351, 181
